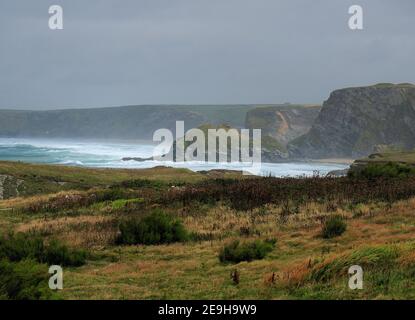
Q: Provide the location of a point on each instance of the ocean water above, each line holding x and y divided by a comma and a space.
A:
109, 155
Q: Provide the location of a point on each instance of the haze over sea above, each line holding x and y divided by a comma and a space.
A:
109, 155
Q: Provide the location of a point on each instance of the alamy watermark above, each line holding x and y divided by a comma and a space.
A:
56, 18
356, 277
356, 19
56, 280
222, 145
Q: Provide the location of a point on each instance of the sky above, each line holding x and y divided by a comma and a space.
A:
132, 52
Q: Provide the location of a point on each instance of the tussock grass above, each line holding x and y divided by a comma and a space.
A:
334, 226
388, 272
88, 231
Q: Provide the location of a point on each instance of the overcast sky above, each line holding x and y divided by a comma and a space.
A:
126, 52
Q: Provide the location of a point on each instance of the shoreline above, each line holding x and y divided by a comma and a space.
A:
345, 161
267, 170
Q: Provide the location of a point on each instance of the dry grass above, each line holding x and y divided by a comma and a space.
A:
27, 202
193, 270
181, 271
82, 231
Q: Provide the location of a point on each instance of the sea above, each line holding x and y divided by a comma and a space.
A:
109, 154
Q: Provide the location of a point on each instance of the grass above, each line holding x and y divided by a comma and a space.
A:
125, 203
407, 157
192, 270
215, 212
40, 179
388, 271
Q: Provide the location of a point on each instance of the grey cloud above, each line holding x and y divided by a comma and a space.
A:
198, 51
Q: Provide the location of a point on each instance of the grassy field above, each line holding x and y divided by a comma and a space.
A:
40, 178
217, 208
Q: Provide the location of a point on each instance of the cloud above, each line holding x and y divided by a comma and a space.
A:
197, 51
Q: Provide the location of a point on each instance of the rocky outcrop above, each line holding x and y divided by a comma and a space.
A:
355, 121
338, 173
279, 125
282, 123
9, 186
271, 149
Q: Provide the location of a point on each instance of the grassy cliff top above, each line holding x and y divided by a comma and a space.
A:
384, 85
393, 85
286, 106
45, 178
407, 157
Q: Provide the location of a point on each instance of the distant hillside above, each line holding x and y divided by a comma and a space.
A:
130, 122
352, 123
355, 122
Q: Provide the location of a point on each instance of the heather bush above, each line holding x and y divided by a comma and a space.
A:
248, 194
157, 228
386, 170
237, 251
18, 247
24, 280
334, 226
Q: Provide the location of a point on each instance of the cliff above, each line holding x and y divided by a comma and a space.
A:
356, 122
280, 125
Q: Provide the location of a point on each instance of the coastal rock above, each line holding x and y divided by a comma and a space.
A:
338, 173
282, 123
279, 125
354, 121
9, 186
137, 159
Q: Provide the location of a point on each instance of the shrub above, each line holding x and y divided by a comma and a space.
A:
17, 247
59, 254
24, 280
30, 246
247, 251
386, 170
334, 226
156, 228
